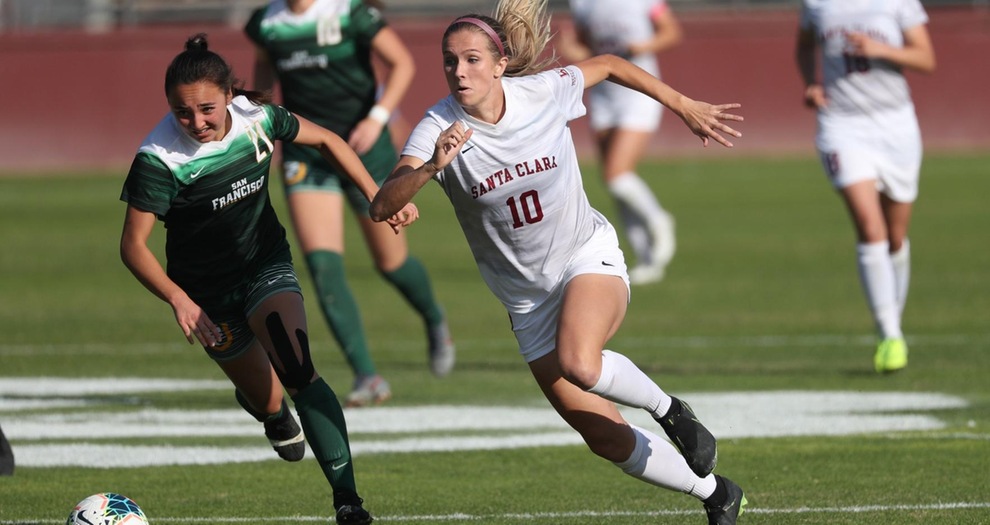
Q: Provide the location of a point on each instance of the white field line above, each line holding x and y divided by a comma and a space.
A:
729, 342
555, 517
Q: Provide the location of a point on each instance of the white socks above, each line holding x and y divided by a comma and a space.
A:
902, 272
655, 461
624, 383
876, 273
640, 210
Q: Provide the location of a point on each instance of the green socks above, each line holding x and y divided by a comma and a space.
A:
340, 309
322, 421
413, 283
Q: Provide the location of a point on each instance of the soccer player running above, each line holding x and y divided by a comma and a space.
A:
203, 170
868, 138
500, 147
320, 52
624, 120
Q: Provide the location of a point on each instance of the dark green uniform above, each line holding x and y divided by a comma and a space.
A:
223, 239
322, 58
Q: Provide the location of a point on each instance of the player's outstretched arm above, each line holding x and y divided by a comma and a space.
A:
345, 160
705, 120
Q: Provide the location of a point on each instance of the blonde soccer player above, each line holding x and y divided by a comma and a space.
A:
500, 148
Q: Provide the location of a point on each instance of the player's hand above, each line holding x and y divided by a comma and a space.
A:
364, 135
707, 120
449, 144
194, 322
859, 44
406, 216
814, 96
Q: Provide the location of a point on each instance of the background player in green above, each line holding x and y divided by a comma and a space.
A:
203, 170
321, 53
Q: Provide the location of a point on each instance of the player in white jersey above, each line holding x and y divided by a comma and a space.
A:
501, 149
868, 137
624, 120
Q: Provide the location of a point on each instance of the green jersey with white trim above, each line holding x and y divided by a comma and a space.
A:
322, 58
213, 197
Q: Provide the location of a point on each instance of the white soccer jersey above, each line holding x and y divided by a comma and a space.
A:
857, 85
611, 26
516, 187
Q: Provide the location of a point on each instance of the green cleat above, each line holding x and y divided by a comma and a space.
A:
891, 356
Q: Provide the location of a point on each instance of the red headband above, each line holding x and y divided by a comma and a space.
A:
486, 28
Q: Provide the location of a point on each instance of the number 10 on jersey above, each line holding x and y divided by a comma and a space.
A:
525, 210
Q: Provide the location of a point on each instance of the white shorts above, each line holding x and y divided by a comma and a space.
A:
536, 330
614, 106
850, 153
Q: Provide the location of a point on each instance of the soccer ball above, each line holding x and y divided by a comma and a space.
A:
107, 508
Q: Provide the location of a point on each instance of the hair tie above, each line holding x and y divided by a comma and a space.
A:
486, 28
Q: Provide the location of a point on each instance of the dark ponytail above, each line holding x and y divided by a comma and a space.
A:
198, 64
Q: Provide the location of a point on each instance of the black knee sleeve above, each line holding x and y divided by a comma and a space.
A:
294, 373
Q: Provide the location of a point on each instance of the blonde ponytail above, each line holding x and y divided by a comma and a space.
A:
526, 26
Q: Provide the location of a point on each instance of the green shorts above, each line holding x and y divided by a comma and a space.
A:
230, 311
304, 169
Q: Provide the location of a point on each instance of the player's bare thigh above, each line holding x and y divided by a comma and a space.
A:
621, 150
318, 219
591, 311
388, 249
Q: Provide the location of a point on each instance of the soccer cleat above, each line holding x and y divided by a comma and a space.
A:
285, 435
891, 356
353, 513
368, 390
691, 438
731, 509
6, 457
664, 239
441, 349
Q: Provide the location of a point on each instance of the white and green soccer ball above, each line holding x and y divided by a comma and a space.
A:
107, 508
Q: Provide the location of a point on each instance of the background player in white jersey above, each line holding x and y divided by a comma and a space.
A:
321, 52
624, 120
868, 137
501, 149
203, 171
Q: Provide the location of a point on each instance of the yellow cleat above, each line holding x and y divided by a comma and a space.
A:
891, 356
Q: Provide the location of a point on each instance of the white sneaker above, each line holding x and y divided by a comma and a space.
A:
368, 390
664, 240
442, 351
646, 274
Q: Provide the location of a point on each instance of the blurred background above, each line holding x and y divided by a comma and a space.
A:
82, 79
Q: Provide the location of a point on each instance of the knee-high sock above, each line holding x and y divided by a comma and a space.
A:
637, 233
876, 272
340, 309
413, 283
902, 272
323, 423
623, 382
655, 461
639, 209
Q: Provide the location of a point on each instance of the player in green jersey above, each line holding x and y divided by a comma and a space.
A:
203, 171
321, 53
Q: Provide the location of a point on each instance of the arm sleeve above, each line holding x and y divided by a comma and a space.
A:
284, 125
367, 22
911, 14
567, 85
253, 27
150, 185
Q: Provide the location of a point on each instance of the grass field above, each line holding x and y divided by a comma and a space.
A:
760, 323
